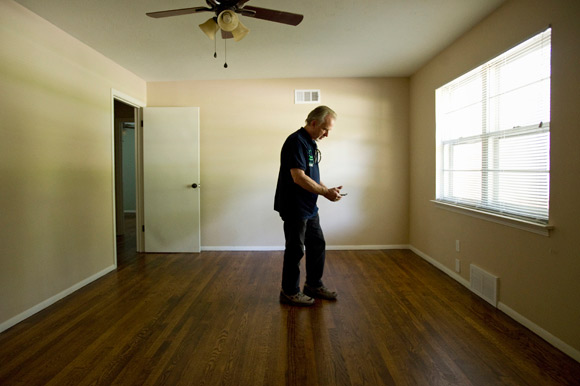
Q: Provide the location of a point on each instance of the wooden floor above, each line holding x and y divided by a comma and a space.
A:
214, 319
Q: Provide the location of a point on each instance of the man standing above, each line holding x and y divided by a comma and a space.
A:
297, 191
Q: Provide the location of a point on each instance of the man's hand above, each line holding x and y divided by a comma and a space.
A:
300, 178
333, 194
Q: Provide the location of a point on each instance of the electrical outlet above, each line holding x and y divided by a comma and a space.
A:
457, 265
457, 249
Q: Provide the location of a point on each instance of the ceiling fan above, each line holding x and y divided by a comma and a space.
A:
226, 17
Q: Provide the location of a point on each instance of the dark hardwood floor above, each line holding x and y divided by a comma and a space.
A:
214, 319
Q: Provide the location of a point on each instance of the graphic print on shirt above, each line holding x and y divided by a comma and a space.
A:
310, 158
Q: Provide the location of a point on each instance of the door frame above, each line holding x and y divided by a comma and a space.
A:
138, 105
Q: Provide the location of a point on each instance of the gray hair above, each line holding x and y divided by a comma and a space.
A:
319, 114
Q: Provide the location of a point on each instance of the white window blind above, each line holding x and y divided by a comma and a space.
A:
493, 134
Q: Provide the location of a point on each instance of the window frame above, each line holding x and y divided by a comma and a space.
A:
487, 138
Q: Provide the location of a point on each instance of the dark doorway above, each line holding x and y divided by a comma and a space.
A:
125, 180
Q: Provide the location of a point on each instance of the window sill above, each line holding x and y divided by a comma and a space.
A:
529, 226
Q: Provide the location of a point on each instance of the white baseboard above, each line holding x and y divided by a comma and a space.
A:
281, 248
441, 267
364, 247
236, 249
50, 301
547, 336
553, 340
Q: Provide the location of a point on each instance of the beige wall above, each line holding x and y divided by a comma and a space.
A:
539, 276
243, 126
55, 160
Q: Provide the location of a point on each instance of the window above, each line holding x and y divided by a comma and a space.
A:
493, 135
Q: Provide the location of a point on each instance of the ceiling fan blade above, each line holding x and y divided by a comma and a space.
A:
177, 12
272, 15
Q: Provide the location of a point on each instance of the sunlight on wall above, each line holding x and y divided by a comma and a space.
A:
240, 152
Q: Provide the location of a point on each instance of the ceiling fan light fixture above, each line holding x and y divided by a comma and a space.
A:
210, 28
240, 32
228, 20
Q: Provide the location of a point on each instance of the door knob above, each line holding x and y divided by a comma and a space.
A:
195, 185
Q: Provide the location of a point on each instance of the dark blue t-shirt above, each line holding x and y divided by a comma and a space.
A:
292, 201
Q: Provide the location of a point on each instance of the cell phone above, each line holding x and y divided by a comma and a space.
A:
343, 194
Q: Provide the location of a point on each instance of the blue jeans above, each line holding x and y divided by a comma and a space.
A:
302, 233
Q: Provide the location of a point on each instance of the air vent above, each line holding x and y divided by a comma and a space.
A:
484, 284
306, 96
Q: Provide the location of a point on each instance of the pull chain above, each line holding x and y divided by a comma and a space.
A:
225, 53
215, 47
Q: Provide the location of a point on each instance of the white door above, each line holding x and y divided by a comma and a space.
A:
171, 179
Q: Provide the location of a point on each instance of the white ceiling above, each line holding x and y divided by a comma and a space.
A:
337, 38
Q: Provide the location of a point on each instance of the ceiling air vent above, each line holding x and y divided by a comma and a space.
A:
306, 96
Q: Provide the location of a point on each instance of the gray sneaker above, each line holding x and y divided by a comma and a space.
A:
298, 299
321, 292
